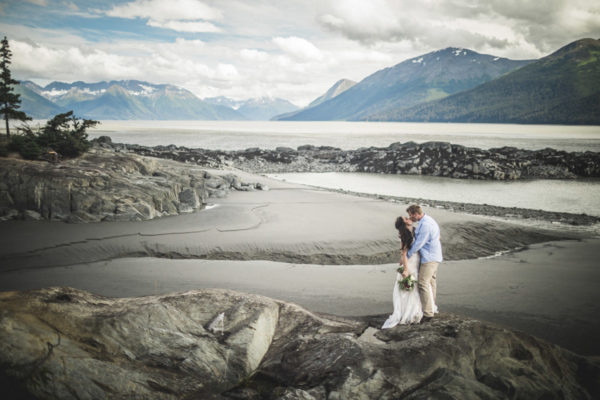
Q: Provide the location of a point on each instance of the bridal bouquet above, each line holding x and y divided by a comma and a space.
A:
407, 283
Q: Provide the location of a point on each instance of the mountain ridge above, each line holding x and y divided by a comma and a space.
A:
563, 87
338, 88
433, 75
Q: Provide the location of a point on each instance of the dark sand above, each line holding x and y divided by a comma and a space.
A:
549, 288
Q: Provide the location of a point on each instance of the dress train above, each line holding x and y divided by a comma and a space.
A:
407, 303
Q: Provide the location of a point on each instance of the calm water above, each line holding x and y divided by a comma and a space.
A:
576, 196
239, 135
554, 195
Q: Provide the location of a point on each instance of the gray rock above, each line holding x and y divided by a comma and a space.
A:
190, 198
430, 158
215, 344
104, 185
30, 215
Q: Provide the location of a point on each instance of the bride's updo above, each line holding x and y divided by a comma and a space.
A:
406, 237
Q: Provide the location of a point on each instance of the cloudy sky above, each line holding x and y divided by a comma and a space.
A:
293, 49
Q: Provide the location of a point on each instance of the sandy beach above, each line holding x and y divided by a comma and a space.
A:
329, 252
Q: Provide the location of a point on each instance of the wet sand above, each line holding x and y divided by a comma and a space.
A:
288, 223
330, 252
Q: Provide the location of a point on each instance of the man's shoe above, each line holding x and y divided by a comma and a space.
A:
425, 319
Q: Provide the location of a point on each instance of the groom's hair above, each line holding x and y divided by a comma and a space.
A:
414, 209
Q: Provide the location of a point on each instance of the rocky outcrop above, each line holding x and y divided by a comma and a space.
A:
431, 158
105, 185
61, 343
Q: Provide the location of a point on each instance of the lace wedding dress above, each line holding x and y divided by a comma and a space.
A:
407, 304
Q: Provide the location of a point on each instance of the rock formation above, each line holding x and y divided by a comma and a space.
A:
61, 343
107, 185
431, 158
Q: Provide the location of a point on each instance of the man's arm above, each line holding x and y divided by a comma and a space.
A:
420, 240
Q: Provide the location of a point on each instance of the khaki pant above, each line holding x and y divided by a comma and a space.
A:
427, 274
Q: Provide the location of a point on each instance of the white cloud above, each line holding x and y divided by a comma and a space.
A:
294, 49
185, 26
51, 63
298, 47
254, 55
178, 15
506, 27
166, 10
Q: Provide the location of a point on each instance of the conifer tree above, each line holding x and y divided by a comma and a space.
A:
9, 101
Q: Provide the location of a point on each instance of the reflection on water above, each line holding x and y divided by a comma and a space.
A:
573, 196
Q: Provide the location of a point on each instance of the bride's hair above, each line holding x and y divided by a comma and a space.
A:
406, 237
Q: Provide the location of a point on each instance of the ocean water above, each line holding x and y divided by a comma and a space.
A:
578, 196
239, 135
573, 196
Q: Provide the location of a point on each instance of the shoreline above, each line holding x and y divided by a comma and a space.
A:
509, 213
287, 223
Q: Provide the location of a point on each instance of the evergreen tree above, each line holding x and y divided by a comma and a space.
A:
9, 101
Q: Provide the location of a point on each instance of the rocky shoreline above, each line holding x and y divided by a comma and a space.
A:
432, 158
106, 185
129, 182
216, 344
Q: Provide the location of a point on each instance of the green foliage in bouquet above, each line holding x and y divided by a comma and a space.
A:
407, 283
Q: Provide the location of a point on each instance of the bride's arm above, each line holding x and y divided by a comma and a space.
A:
404, 262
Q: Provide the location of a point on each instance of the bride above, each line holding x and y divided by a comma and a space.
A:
407, 304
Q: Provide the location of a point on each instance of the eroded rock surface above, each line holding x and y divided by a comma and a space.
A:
61, 343
104, 185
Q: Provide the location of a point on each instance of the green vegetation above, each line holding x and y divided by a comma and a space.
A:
9, 101
64, 135
594, 54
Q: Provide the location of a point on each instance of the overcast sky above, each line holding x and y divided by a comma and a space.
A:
291, 49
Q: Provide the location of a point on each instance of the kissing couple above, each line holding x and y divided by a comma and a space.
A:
421, 254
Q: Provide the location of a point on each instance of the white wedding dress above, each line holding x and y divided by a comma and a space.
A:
407, 304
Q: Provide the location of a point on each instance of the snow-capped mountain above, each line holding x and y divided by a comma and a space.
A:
130, 100
259, 109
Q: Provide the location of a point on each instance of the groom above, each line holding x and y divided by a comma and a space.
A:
427, 243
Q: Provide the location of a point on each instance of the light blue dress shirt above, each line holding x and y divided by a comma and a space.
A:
427, 241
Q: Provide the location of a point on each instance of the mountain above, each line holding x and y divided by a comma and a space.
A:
562, 88
430, 76
338, 88
133, 99
265, 108
259, 109
113, 103
224, 101
33, 103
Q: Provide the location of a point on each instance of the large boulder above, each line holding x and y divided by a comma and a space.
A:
61, 343
106, 185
